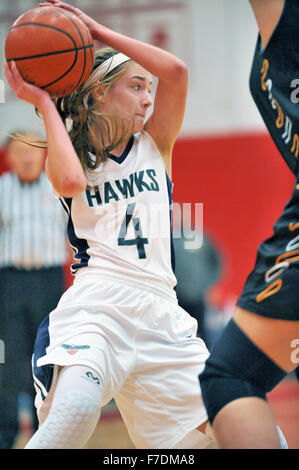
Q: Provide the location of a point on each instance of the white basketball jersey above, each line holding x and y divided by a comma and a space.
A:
122, 223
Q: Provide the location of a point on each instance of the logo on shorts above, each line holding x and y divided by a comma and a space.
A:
89, 375
73, 349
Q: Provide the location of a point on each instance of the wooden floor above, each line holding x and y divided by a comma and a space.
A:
112, 434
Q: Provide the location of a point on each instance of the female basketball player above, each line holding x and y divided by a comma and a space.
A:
258, 347
118, 331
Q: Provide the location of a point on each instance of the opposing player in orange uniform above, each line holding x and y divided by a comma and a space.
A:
257, 348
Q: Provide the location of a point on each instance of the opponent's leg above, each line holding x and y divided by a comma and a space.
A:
251, 419
234, 384
246, 423
74, 413
273, 336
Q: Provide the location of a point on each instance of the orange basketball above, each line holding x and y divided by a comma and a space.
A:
52, 49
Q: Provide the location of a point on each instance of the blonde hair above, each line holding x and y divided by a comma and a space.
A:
88, 128
25, 136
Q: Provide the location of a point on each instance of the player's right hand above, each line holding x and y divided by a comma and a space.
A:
24, 90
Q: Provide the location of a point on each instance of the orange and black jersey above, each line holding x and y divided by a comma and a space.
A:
274, 83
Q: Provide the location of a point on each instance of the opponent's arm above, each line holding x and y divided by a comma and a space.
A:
63, 166
267, 14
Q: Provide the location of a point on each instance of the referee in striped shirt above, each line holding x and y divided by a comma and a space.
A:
32, 257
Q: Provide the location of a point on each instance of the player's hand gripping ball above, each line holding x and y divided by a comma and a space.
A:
52, 48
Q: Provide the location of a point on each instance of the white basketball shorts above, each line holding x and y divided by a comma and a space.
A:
142, 345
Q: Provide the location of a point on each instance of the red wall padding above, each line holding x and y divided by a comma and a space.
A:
243, 184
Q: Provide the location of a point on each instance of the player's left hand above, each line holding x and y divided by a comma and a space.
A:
90, 23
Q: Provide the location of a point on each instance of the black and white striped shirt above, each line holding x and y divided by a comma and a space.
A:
32, 224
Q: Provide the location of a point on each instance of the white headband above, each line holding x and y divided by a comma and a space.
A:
105, 67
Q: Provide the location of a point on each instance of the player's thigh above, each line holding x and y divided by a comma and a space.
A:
166, 396
277, 338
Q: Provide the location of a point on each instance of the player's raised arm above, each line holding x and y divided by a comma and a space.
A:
166, 120
267, 14
64, 169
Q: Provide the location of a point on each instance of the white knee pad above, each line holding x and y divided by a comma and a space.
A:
69, 424
196, 440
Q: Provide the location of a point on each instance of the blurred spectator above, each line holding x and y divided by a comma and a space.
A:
32, 257
197, 268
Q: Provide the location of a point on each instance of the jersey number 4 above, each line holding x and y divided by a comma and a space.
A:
139, 240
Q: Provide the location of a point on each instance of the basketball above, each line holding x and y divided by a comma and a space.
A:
52, 48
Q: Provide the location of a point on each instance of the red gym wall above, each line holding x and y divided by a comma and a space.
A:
243, 184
